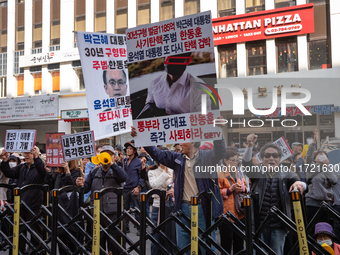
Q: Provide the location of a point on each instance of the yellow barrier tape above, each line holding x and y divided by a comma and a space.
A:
194, 229
96, 228
300, 225
16, 225
121, 223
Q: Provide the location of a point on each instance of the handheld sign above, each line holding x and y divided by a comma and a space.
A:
54, 149
286, 150
19, 140
79, 145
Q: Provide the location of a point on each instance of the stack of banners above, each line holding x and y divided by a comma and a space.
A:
79, 145
286, 150
54, 149
104, 64
19, 140
172, 76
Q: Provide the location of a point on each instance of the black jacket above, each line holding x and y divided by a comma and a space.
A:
35, 175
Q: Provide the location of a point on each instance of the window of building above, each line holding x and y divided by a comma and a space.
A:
255, 5
37, 83
191, 7
56, 81
143, 12
319, 45
19, 25
167, 9
20, 84
226, 8
3, 3
121, 22
3, 64
55, 22
100, 16
37, 24
79, 16
79, 72
3, 40
228, 60
3, 28
284, 3
53, 67
18, 70
80, 126
3, 86
286, 49
257, 59
35, 69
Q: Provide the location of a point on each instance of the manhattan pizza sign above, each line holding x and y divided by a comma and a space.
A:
296, 20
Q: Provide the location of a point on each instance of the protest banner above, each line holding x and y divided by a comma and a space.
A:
54, 149
286, 150
172, 75
104, 64
79, 145
19, 140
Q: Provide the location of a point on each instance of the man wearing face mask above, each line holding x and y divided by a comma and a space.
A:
324, 235
175, 91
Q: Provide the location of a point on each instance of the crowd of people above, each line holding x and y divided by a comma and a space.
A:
141, 169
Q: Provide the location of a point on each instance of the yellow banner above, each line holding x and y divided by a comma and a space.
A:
16, 225
194, 230
96, 228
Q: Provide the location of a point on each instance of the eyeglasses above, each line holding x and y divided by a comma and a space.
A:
233, 160
268, 155
120, 83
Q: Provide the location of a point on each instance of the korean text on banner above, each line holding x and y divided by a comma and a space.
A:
54, 149
172, 76
19, 140
104, 64
286, 150
79, 145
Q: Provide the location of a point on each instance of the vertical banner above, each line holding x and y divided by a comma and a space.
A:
79, 145
104, 64
172, 76
54, 149
19, 140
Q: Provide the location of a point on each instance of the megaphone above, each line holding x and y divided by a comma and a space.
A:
328, 248
103, 158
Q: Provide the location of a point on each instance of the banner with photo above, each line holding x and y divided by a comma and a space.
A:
54, 149
104, 65
172, 76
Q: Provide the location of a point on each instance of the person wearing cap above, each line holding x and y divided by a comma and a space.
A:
207, 146
103, 176
297, 147
324, 234
175, 91
149, 161
177, 147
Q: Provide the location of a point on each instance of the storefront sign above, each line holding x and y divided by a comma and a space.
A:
74, 114
317, 109
49, 58
34, 107
296, 20
19, 140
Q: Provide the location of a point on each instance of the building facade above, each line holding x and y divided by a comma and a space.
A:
39, 59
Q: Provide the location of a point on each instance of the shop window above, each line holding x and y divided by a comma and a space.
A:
3, 86
143, 12
308, 136
319, 46
121, 22
226, 8
324, 132
56, 81
228, 61
284, 3
80, 126
286, 49
37, 83
254, 5
309, 120
277, 135
191, 7
256, 55
167, 9
20, 84
18, 70
326, 119
79, 16
233, 137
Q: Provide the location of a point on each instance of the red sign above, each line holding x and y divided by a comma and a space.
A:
296, 20
54, 150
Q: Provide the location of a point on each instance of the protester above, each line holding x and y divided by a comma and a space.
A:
232, 144
273, 188
32, 172
64, 176
231, 186
177, 148
83, 163
103, 176
3, 191
149, 161
297, 147
144, 175
324, 234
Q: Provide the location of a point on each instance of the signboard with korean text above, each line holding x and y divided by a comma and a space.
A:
19, 140
54, 149
262, 25
24, 108
74, 114
286, 150
47, 58
79, 145
104, 64
172, 76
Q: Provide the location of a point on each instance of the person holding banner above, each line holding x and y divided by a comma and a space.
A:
273, 186
32, 172
103, 176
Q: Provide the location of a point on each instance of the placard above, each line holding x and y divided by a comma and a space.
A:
79, 145
104, 64
54, 149
19, 140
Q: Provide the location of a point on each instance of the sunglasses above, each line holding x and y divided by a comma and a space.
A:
268, 155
